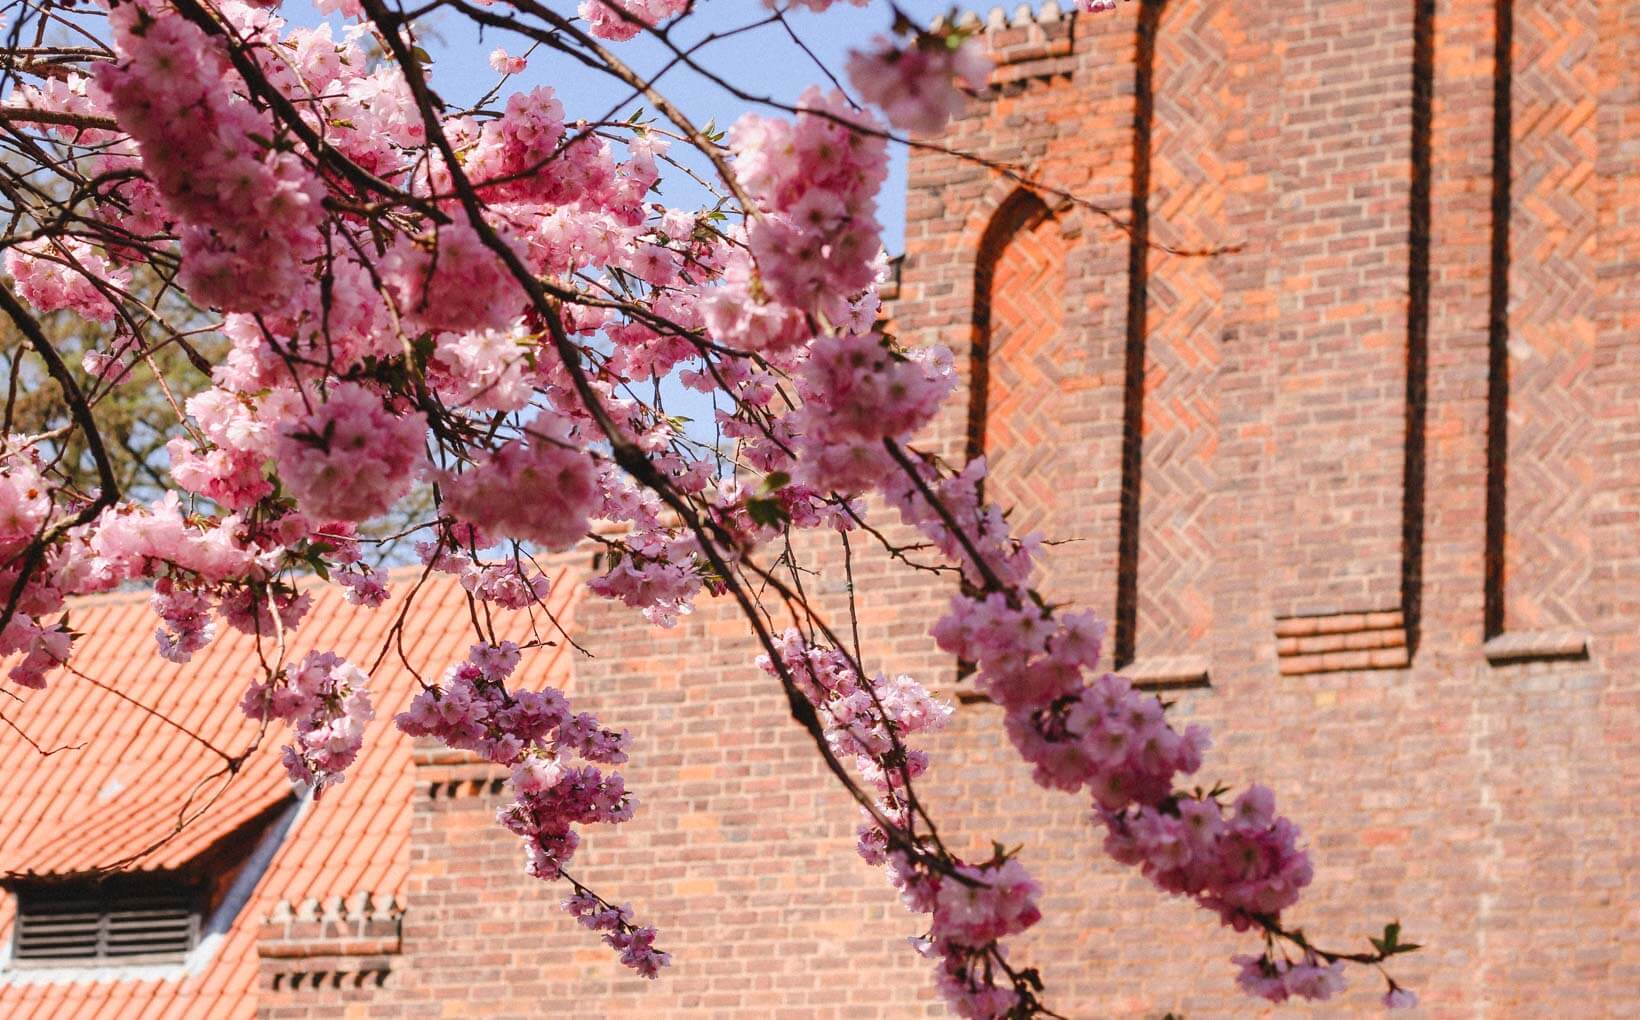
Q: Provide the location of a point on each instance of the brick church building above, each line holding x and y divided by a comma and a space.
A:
1330, 375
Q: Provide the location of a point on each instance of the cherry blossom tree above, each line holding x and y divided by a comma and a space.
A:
390, 293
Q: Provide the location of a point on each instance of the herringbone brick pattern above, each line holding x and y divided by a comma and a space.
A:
1031, 369
1551, 315
1185, 322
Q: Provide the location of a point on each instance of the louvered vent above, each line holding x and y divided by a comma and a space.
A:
74, 923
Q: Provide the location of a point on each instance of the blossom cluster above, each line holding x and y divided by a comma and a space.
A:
537, 735
69, 274
858, 391
971, 907
1244, 864
363, 587
1279, 980
185, 620
447, 279
25, 513
326, 700
351, 458
813, 239
226, 465
663, 587
541, 490
867, 719
1115, 742
635, 943
623, 19
1097, 735
916, 85
502, 62
188, 558
249, 212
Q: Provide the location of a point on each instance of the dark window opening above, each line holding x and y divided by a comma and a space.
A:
121, 918
112, 921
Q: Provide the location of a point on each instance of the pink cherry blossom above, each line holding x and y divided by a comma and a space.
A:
364, 587
623, 19
539, 491
325, 699
69, 275
503, 62
249, 212
42, 648
448, 280
999, 901
187, 625
352, 457
916, 85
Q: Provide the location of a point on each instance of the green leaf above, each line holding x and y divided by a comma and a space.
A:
1391, 944
423, 348
767, 512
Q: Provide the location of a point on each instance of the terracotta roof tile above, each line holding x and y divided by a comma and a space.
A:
123, 788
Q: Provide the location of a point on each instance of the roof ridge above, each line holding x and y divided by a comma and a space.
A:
554, 566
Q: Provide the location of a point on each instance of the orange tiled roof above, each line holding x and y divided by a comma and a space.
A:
136, 735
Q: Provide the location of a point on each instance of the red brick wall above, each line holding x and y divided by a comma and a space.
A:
1313, 413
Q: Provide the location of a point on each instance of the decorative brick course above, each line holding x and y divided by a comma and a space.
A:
1166, 674
315, 955
1033, 44
1526, 645
1343, 641
362, 925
